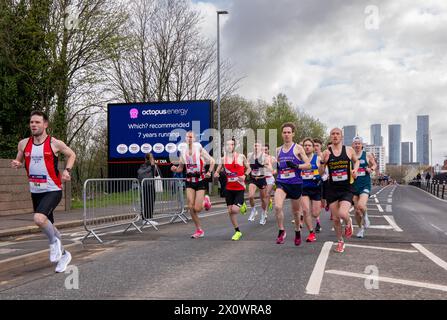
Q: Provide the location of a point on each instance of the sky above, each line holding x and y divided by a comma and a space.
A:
345, 62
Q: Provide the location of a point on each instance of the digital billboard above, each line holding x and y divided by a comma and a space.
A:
135, 129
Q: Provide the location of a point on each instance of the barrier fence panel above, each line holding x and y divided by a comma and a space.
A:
162, 198
110, 203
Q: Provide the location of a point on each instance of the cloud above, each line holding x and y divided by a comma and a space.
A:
321, 55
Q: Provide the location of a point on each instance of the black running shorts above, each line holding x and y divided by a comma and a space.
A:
314, 194
46, 202
201, 185
234, 197
334, 194
293, 191
260, 183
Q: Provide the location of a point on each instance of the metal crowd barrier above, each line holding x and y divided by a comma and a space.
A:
162, 198
110, 203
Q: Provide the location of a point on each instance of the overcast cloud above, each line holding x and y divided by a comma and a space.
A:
321, 55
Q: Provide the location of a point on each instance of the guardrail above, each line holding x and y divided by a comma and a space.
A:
110, 203
435, 187
162, 198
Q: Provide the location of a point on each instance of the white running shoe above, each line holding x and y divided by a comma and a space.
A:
63, 262
361, 233
253, 214
55, 251
263, 218
366, 221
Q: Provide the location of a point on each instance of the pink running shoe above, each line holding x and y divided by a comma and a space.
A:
340, 247
281, 238
297, 241
349, 229
198, 234
207, 203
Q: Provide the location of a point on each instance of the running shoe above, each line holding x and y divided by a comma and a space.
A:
207, 203
340, 247
361, 233
366, 221
297, 240
318, 228
263, 218
311, 237
198, 234
281, 238
349, 229
253, 214
237, 236
63, 262
55, 251
243, 209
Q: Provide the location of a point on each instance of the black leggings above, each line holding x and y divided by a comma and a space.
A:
148, 199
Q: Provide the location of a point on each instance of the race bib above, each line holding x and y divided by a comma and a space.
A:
256, 172
192, 168
307, 175
361, 172
233, 179
38, 182
287, 174
339, 176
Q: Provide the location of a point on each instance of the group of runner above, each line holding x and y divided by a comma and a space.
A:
336, 179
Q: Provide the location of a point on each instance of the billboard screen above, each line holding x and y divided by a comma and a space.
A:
135, 129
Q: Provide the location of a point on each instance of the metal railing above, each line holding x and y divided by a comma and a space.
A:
435, 187
110, 203
162, 198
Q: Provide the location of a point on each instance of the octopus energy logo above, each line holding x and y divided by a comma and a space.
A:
133, 113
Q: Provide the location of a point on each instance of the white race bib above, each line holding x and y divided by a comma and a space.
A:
361, 172
287, 174
340, 176
38, 183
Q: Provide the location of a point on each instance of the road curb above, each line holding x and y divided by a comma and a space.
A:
39, 259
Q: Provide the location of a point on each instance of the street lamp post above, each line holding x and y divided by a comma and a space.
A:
218, 81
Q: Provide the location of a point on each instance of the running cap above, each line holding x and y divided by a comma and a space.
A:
358, 139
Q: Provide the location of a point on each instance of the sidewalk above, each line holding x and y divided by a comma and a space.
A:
23, 223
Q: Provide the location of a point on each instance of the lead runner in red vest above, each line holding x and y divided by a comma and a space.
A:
194, 158
40, 154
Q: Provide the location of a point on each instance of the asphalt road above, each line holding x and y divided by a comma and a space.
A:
405, 248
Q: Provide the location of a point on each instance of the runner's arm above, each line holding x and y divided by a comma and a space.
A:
69, 154
246, 165
372, 162
18, 162
299, 150
355, 160
209, 159
323, 162
219, 168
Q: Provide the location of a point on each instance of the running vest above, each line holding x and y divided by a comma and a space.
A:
363, 177
311, 177
41, 167
195, 167
287, 174
233, 171
340, 169
257, 168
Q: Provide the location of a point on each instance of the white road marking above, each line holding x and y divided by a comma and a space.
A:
380, 248
314, 284
436, 227
431, 256
377, 200
393, 223
388, 208
411, 283
390, 200
380, 208
382, 227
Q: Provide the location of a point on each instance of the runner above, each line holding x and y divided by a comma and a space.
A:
339, 158
325, 185
269, 177
311, 198
318, 144
195, 157
258, 162
362, 185
291, 160
234, 165
40, 153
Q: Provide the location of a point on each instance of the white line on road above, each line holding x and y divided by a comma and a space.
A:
376, 200
380, 208
393, 223
382, 227
314, 284
390, 200
431, 256
380, 248
391, 280
436, 227
388, 208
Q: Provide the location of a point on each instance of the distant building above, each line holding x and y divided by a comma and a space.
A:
394, 143
407, 152
423, 140
379, 155
349, 133
376, 135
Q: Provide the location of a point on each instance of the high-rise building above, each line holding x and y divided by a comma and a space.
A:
349, 133
394, 143
379, 155
423, 140
407, 152
376, 135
